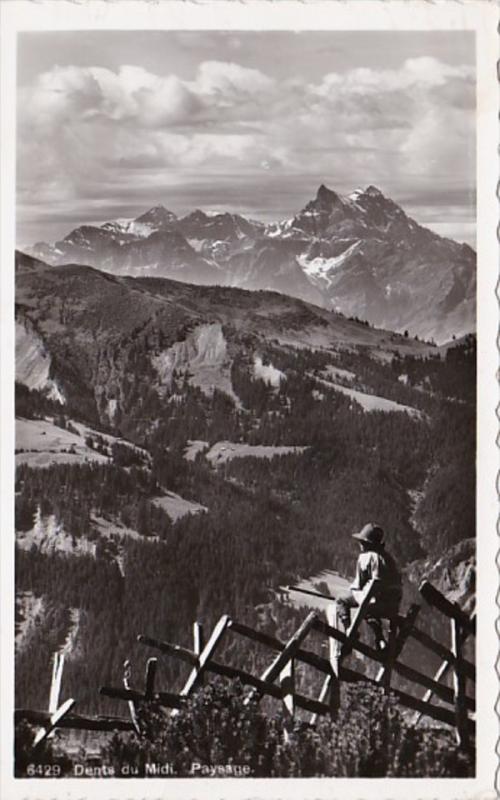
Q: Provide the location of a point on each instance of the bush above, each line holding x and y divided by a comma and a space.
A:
44, 761
369, 738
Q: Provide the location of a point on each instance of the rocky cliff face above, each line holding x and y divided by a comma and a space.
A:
454, 574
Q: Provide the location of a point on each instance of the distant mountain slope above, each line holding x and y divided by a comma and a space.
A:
360, 254
98, 333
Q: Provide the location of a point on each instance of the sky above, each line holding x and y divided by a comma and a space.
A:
110, 123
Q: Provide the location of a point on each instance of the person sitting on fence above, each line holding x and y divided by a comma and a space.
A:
373, 562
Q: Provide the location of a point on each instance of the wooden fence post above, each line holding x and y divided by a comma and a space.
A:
205, 655
332, 687
327, 693
287, 685
459, 685
198, 642
150, 678
443, 670
56, 712
55, 686
288, 652
53, 721
397, 639
127, 674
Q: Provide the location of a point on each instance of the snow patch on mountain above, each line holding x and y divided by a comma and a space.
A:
131, 227
141, 229
267, 373
196, 244
33, 363
283, 229
320, 267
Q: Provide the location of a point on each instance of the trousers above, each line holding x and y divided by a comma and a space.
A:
338, 615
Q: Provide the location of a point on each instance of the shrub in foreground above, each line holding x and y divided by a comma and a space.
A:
217, 735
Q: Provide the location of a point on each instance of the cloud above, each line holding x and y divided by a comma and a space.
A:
91, 133
230, 82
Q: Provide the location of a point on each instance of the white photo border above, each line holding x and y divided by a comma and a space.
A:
480, 16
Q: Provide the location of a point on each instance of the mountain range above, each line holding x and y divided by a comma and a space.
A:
359, 254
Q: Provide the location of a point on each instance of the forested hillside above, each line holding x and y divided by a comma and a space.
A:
156, 505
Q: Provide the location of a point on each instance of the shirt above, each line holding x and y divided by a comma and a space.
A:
377, 564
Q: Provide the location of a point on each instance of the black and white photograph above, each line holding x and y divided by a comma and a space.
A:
253, 506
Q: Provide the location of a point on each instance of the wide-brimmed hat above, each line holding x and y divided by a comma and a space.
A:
371, 533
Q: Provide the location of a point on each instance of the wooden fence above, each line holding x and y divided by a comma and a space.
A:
277, 681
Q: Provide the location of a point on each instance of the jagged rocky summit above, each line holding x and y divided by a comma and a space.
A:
359, 254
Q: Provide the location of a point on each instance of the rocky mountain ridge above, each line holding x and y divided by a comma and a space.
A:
359, 254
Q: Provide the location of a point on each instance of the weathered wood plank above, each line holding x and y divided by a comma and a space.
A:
256, 636
55, 686
310, 592
198, 638
246, 678
459, 685
54, 720
437, 713
170, 649
270, 689
411, 674
167, 699
127, 672
198, 642
215, 667
291, 647
323, 695
150, 678
274, 669
270, 641
287, 684
206, 655
397, 642
443, 670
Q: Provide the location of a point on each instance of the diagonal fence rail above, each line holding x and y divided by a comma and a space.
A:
455, 708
